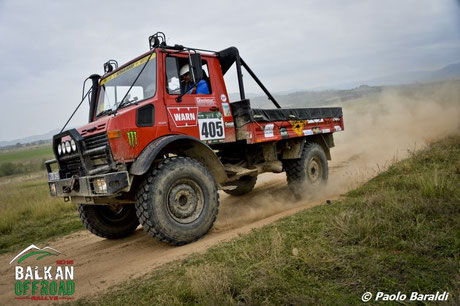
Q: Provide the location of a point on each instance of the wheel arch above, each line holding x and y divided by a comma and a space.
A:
326, 141
181, 145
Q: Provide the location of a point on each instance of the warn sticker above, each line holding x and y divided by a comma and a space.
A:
183, 116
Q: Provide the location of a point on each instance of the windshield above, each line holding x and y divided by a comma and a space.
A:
115, 86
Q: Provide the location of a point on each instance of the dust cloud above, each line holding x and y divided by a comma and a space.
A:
386, 128
379, 130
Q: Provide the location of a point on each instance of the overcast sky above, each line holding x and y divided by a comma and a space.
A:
49, 47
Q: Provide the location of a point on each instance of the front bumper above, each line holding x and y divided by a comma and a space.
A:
87, 186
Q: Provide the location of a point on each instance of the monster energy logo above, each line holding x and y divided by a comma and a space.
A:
132, 138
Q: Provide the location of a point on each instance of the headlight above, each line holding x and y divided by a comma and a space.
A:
67, 147
53, 189
73, 145
59, 149
100, 185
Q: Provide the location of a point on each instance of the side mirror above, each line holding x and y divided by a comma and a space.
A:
197, 66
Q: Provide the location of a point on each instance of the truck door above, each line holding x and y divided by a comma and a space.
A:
200, 115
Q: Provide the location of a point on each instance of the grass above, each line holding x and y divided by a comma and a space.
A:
29, 215
24, 160
398, 232
27, 154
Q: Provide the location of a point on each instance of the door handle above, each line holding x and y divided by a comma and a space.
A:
214, 109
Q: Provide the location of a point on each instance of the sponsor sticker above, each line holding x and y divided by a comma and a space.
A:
316, 130
226, 109
183, 116
132, 139
308, 132
128, 68
326, 131
268, 131
284, 132
229, 124
223, 98
205, 101
297, 126
337, 127
315, 121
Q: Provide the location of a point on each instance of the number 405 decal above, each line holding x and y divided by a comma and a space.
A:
211, 126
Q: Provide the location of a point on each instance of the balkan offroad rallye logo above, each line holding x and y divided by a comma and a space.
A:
35, 280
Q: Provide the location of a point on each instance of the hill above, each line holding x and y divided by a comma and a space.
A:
36, 139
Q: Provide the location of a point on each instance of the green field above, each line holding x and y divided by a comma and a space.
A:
24, 160
27, 154
398, 232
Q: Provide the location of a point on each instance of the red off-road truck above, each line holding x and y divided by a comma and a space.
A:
155, 155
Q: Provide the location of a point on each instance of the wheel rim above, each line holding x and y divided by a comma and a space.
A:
314, 170
185, 201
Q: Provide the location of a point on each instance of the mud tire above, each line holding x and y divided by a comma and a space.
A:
104, 222
243, 185
178, 201
308, 172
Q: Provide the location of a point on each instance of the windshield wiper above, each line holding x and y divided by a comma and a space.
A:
127, 102
106, 112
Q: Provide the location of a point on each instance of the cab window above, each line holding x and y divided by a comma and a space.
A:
174, 82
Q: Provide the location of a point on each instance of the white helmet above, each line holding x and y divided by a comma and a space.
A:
184, 69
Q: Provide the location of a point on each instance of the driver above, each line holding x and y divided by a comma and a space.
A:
187, 85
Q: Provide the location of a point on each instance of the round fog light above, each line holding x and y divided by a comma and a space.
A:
67, 147
73, 145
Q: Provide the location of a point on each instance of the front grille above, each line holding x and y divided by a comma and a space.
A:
95, 141
71, 165
98, 159
95, 158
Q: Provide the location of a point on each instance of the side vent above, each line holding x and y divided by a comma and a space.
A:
145, 115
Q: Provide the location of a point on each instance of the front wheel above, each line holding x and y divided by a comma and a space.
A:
308, 172
111, 222
178, 201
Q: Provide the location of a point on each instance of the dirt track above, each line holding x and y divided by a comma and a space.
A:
101, 263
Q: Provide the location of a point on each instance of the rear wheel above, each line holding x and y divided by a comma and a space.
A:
178, 201
243, 185
110, 222
308, 172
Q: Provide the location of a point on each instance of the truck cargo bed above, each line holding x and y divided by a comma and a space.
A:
283, 114
261, 125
